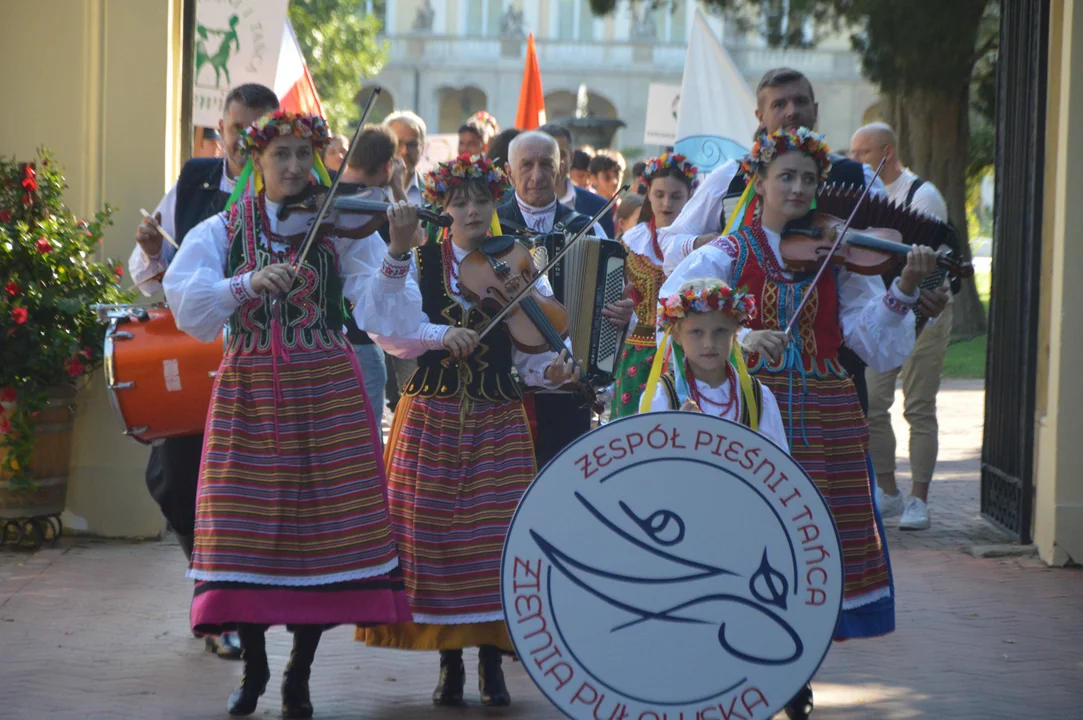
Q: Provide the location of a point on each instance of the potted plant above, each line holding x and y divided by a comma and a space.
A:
51, 275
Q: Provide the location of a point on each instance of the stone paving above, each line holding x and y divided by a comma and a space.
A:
96, 629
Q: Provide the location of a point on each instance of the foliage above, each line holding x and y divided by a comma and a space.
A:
51, 277
341, 48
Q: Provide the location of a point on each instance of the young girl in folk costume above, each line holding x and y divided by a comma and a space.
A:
460, 454
820, 410
291, 521
706, 372
671, 179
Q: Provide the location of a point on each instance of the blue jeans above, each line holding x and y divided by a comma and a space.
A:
371, 359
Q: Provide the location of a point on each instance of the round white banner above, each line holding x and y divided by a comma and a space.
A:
668, 566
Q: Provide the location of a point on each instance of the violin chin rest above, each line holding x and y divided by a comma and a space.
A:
497, 244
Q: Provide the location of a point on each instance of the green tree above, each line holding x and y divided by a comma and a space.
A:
930, 59
341, 47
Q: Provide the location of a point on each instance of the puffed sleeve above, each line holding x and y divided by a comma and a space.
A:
141, 267
385, 297
660, 401
200, 295
877, 325
771, 426
701, 215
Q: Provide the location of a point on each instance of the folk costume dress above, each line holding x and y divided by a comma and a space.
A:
644, 276
824, 423
291, 519
460, 457
727, 403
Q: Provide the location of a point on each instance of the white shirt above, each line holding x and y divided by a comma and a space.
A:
542, 219
703, 212
770, 420
568, 200
140, 265
413, 191
881, 336
202, 296
927, 199
393, 277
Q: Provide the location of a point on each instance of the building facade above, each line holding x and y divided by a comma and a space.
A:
451, 58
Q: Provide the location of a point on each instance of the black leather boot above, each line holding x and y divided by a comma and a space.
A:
494, 693
296, 702
256, 673
449, 689
800, 708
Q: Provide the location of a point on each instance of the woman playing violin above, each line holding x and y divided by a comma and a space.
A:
460, 454
820, 410
291, 522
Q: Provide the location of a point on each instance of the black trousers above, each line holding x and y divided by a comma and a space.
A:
173, 478
562, 419
856, 367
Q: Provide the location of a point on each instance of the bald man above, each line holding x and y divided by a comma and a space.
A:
534, 168
921, 373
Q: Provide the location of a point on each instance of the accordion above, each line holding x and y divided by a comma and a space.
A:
587, 279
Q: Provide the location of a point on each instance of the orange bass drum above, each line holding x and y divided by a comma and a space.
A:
160, 379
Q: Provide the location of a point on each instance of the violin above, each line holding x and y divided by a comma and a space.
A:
369, 202
498, 272
866, 251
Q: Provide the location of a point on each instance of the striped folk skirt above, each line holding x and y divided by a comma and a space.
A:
291, 518
829, 437
456, 470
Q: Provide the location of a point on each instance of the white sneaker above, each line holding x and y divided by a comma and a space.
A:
890, 505
915, 516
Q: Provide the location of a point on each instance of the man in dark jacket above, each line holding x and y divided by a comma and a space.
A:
571, 195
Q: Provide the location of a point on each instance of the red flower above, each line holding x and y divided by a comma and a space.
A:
20, 315
13, 288
30, 184
5, 427
44, 246
8, 394
119, 270
625, 398
74, 367
87, 353
5, 215
633, 370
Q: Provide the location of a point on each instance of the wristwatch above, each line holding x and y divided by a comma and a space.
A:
402, 257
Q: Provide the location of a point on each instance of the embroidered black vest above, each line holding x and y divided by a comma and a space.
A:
310, 317
486, 374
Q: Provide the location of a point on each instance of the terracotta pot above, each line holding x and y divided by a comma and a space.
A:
49, 463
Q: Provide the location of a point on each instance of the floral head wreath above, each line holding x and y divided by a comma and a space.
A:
446, 176
283, 123
768, 147
485, 120
715, 296
665, 161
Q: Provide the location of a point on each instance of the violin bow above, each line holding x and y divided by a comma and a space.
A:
834, 248
310, 237
495, 321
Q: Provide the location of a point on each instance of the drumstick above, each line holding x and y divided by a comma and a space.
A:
159, 228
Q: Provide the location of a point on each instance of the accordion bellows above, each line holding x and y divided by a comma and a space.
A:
587, 279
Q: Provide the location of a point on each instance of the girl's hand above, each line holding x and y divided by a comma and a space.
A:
562, 370
405, 228
920, 263
277, 278
690, 406
769, 343
460, 342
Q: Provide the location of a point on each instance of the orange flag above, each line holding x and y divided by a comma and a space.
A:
531, 113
